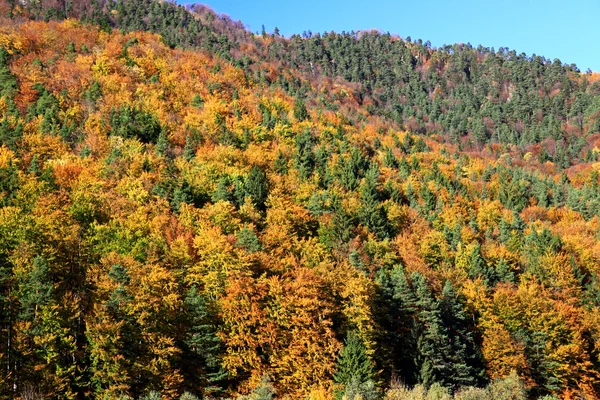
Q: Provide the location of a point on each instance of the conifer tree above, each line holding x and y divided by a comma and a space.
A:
223, 192
281, 164
189, 151
197, 101
304, 160
396, 313
202, 344
433, 343
467, 367
372, 214
300, 112
247, 239
256, 186
353, 364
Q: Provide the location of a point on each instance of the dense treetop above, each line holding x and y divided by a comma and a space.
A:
186, 206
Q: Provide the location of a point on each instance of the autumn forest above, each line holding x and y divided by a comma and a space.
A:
189, 210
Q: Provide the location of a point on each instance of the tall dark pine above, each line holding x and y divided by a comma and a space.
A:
202, 346
257, 187
433, 346
353, 364
396, 315
300, 112
467, 368
304, 160
372, 214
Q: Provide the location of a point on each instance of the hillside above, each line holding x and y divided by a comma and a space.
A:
194, 208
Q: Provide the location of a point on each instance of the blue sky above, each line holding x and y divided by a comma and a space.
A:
568, 30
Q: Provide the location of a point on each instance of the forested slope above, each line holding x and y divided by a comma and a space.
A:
216, 212
467, 95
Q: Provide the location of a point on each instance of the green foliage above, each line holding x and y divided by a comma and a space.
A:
203, 346
131, 122
9, 183
257, 187
35, 290
300, 111
304, 160
189, 151
247, 239
197, 101
453, 162
8, 82
93, 93
354, 367
281, 164
372, 214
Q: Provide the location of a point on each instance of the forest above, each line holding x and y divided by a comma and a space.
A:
190, 210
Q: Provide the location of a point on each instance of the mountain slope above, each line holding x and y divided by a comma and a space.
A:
471, 96
200, 219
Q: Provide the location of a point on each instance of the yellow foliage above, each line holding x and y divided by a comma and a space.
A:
7, 157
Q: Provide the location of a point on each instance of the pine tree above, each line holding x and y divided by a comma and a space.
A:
182, 194
372, 214
478, 267
396, 316
343, 222
223, 192
433, 344
189, 151
197, 101
503, 272
304, 160
36, 290
203, 346
300, 111
256, 186
8, 82
280, 165
467, 367
162, 143
247, 239
350, 169
353, 364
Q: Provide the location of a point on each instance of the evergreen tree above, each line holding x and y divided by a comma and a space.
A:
467, 368
503, 272
223, 192
300, 111
343, 222
353, 363
372, 214
247, 239
256, 186
478, 267
36, 290
433, 342
182, 194
281, 164
396, 315
203, 346
162, 143
304, 160
189, 151
197, 101
350, 169
8, 82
